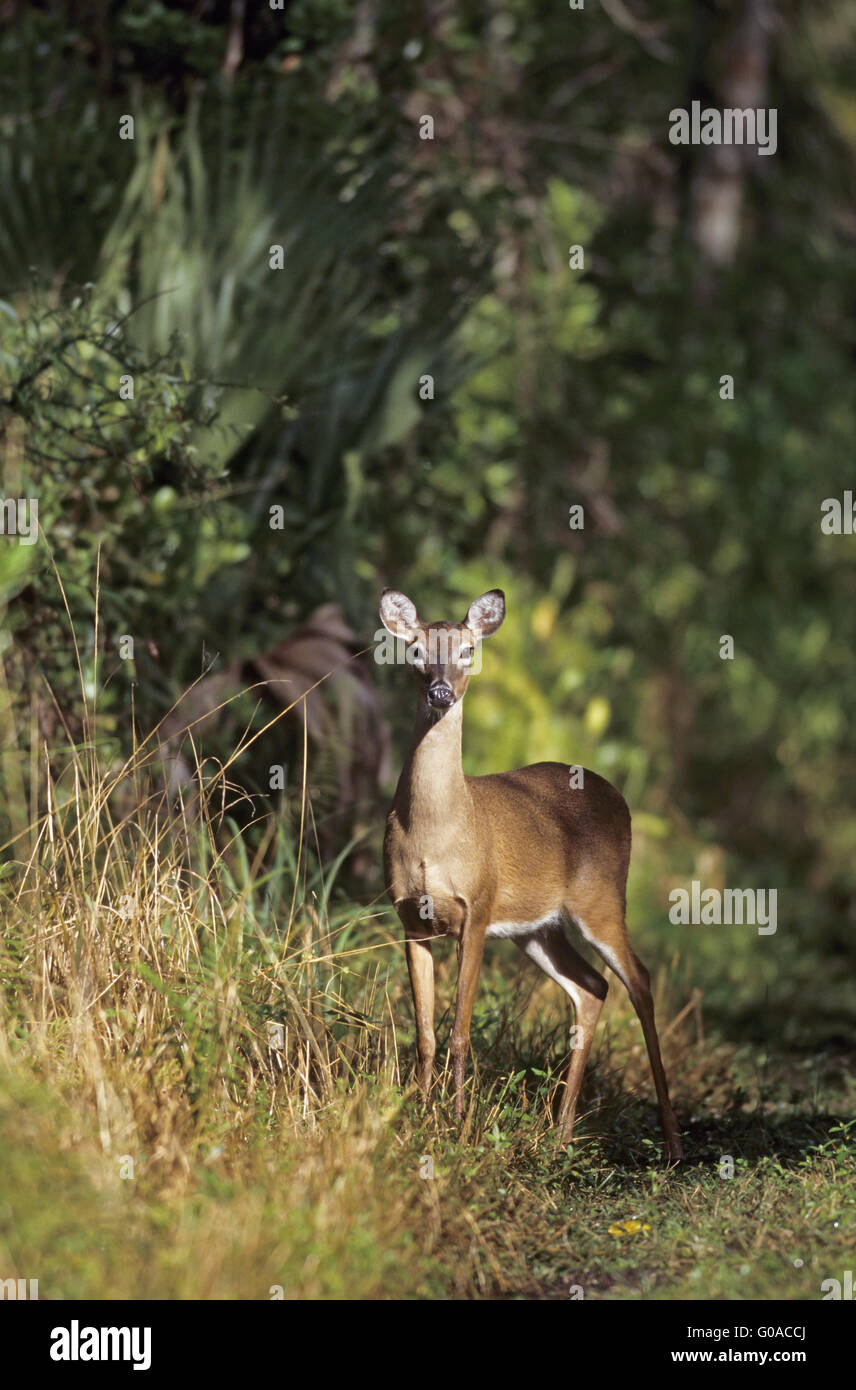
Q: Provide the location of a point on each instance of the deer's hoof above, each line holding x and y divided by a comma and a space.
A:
674, 1150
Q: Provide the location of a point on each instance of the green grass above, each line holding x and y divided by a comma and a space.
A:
334, 1205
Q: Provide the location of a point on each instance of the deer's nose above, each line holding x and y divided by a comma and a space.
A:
441, 695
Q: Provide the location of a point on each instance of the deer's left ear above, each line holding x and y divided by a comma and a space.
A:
399, 615
485, 614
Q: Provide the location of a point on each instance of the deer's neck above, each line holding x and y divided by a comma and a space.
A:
432, 792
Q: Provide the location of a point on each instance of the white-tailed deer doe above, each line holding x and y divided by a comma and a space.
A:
509, 854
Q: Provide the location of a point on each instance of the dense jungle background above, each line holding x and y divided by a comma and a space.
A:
206, 1043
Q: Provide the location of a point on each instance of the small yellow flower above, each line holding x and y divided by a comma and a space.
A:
629, 1228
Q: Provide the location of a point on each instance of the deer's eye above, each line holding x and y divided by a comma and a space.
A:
417, 653
465, 654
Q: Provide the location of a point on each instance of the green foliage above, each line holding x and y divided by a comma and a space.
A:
92, 427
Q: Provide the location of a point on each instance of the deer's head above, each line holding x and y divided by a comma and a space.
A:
442, 654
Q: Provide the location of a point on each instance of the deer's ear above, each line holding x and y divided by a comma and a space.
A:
485, 614
399, 615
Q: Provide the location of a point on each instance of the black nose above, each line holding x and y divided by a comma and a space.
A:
441, 695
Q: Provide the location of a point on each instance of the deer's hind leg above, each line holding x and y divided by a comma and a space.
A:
550, 949
606, 931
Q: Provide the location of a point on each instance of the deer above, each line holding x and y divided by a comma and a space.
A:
511, 854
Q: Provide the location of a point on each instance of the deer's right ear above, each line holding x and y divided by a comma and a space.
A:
399, 615
485, 614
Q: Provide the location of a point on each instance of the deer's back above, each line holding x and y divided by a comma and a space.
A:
547, 830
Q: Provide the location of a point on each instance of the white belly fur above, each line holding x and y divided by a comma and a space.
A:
553, 919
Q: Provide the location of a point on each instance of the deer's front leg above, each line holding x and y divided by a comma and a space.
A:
420, 964
470, 952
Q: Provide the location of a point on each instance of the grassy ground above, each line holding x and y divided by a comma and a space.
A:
157, 1140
